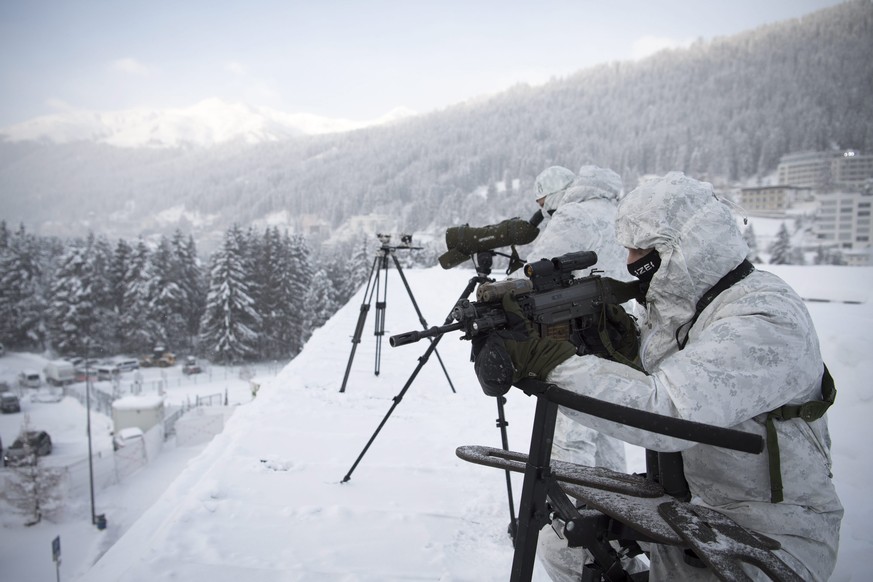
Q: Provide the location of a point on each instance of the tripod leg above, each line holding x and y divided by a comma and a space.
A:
502, 424
381, 302
362, 318
421, 317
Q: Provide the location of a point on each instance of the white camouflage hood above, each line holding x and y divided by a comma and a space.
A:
591, 182
697, 238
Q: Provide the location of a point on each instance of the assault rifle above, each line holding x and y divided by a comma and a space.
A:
561, 305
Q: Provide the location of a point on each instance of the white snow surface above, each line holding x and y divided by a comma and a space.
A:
265, 499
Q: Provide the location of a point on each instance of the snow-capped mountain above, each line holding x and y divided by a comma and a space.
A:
209, 122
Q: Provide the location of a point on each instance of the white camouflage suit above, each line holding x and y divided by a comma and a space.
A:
582, 219
752, 350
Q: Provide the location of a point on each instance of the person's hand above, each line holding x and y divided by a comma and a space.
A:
620, 329
516, 352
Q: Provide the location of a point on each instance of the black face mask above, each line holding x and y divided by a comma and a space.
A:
644, 269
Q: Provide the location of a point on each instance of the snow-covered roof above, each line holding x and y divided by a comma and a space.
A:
138, 402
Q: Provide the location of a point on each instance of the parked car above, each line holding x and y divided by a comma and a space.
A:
191, 366
9, 402
27, 447
29, 379
126, 436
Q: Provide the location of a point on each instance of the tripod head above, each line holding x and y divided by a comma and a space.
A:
405, 243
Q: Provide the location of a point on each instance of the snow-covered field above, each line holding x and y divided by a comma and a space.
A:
265, 499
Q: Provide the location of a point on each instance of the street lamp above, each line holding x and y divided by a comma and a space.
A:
88, 408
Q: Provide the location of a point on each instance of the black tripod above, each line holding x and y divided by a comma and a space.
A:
482, 263
376, 286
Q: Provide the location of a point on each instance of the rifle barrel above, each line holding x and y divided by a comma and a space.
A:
410, 337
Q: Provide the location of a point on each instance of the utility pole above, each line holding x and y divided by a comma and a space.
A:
88, 407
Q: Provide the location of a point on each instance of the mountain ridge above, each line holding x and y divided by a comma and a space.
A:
207, 123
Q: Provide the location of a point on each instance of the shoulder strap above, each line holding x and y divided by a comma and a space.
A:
742, 271
808, 411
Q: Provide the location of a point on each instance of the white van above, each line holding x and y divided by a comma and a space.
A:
107, 371
59, 372
127, 365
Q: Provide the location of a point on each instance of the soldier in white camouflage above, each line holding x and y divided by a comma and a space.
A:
744, 361
581, 210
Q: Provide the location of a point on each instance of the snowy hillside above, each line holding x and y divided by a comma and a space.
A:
209, 122
264, 501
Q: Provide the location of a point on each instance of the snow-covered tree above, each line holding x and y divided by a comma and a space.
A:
137, 330
780, 249
166, 305
300, 282
360, 265
118, 273
72, 311
99, 255
190, 279
230, 319
320, 301
22, 293
752, 243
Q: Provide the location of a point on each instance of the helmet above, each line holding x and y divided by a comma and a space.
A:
552, 179
607, 182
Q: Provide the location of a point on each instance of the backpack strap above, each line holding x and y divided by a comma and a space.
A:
742, 271
808, 411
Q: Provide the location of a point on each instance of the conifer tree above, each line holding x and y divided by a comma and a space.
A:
270, 272
138, 332
166, 303
191, 282
99, 255
72, 307
22, 301
118, 273
230, 318
360, 265
320, 301
780, 249
752, 243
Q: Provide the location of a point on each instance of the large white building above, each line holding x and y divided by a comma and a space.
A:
844, 222
826, 170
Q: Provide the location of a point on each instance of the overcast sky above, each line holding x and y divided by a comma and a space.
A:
353, 60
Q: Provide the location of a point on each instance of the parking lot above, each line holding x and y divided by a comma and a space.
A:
60, 410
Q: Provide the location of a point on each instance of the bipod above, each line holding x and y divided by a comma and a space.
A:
482, 262
622, 508
471, 284
376, 286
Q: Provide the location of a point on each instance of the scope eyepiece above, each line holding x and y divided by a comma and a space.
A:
575, 261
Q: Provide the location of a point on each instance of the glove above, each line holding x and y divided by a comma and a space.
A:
517, 352
618, 332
